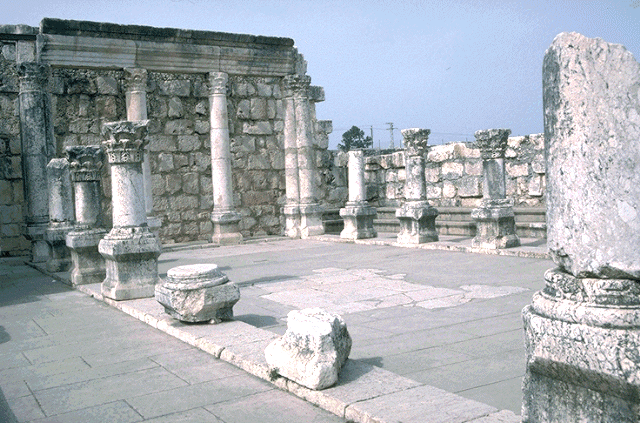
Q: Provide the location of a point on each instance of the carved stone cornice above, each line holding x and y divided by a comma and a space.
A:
415, 140
33, 76
492, 142
135, 80
125, 140
218, 83
85, 162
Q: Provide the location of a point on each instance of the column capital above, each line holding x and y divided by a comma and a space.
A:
85, 162
218, 83
125, 140
135, 79
297, 85
492, 142
33, 76
415, 140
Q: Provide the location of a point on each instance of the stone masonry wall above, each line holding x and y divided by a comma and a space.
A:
12, 242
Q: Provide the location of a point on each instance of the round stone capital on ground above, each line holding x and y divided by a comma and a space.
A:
492, 142
415, 140
195, 276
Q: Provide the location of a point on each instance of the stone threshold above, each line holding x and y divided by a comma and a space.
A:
364, 393
528, 249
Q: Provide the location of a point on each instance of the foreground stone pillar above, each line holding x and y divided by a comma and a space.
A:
310, 211
357, 214
136, 98
291, 208
582, 331
60, 214
36, 135
226, 221
85, 163
417, 217
130, 249
495, 221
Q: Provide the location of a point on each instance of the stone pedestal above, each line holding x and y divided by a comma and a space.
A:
198, 293
357, 214
417, 217
582, 331
37, 140
60, 214
130, 249
85, 163
313, 350
226, 222
495, 221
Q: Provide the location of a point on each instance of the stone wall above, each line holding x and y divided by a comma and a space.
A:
11, 188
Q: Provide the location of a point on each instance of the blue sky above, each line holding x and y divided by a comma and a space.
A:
451, 66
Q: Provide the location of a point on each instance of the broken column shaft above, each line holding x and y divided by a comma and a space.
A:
357, 214
60, 214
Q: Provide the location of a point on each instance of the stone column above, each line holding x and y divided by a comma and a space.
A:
60, 214
582, 331
85, 163
417, 217
130, 249
495, 221
310, 211
36, 133
291, 208
357, 214
226, 221
136, 98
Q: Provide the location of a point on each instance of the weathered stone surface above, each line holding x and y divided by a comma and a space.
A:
198, 293
61, 214
313, 349
592, 131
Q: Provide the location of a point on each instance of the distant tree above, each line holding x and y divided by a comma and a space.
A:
354, 138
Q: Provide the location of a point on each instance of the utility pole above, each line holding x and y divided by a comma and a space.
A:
391, 144
371, 131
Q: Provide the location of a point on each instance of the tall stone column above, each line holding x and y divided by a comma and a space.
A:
226, 221
357, 214
85, 163
136, 98
130, 249
495, 221
36, 133
310, 211
291, 208
582, 331
417, 217
60, 214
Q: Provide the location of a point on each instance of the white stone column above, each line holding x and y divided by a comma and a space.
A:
417, 217
582, 331
130, 249
291, 208
85, 163
226, 221
136, 99
357, 214
495, 221
36, 135
61, 214
310, 211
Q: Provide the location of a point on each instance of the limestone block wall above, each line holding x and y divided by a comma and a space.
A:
12, 242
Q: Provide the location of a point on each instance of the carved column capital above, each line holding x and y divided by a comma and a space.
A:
135, 79
218, 83
125, 140
492, 142
33, 76
415, 140
297, 85
85, 162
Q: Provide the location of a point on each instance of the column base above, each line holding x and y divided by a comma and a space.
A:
226, 228
35, 232
154, 223
417, 223
358, 221
582, 338
87, 263
131, 259
292, 221
60, 256
495, 227
310, 220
